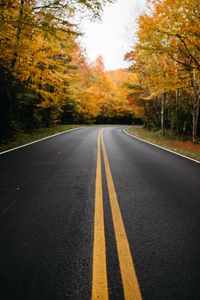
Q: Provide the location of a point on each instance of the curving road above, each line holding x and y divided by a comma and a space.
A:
97, 214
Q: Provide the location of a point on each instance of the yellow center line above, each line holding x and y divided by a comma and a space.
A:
99, 276
129, 277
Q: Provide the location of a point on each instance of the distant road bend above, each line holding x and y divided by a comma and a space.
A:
96, 214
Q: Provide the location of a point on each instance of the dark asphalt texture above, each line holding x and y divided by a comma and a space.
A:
47, 193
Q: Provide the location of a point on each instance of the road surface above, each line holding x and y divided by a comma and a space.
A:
96, 214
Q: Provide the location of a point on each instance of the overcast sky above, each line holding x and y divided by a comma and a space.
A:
114, 35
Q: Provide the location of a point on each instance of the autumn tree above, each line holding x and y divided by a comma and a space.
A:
38, 56
167, 57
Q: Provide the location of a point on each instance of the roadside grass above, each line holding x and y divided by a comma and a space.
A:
24, 138
187, 148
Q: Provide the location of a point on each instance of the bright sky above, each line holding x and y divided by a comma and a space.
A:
113, 37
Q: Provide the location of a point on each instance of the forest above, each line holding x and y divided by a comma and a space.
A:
46, 79
166, 59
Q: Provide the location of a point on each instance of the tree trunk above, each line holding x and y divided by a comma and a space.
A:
196, 103
195, 117
163, 113
177, 108
18, 31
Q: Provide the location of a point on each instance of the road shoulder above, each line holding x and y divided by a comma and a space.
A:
39, 140
160, 147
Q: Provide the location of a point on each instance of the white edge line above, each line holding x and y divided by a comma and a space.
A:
36, 141
192, 159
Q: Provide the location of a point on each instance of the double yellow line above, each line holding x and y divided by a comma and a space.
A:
99, 276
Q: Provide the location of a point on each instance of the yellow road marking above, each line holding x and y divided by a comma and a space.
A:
129, 277
99, 276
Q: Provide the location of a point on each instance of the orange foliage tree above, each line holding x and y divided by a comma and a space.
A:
166, 57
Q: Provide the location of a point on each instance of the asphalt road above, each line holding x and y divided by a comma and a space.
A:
48, 195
